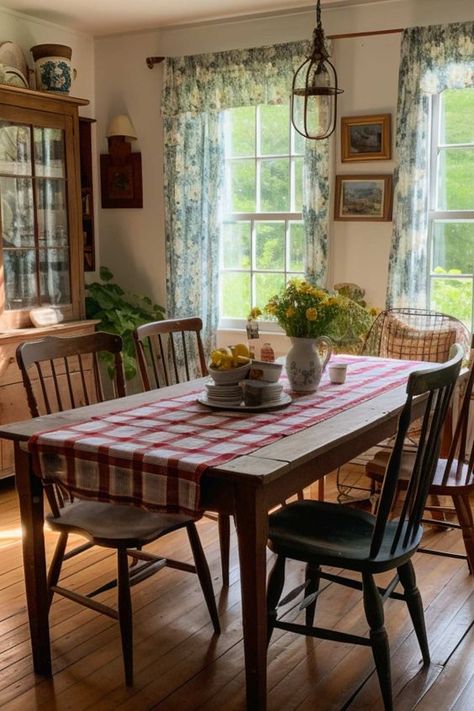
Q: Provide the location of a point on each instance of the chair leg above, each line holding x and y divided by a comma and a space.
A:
125, 614
312, 578
223, 522
276, 580
415, 607
55, 567
464, 514
204, 575
373, 607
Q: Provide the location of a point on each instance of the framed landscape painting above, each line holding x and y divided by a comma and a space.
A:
366, 138
363, 197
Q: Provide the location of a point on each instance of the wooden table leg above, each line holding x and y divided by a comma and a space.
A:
251, 519
30, 492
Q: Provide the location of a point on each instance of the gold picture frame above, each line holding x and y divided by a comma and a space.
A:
362, 198
366, 138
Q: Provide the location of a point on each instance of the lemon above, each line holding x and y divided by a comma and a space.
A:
241, 350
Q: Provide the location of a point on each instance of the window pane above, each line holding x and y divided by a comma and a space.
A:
236, 248
17, 212
242, 186
54, 277
240, 131
15, 149
270, 245
457, 116
296, 247
235, 295
298, 178
19, 268
274, 130
456, 179
52, 214
453, 246
49, 152
266, 286
274, 185
454, 297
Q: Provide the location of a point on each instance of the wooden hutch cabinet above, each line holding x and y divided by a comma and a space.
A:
41, 231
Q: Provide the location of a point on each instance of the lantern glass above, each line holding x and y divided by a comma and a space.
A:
314, 92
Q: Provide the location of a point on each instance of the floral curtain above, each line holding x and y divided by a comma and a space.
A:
196, 89
432, 59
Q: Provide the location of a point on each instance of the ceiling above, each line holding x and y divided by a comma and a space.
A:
112, 16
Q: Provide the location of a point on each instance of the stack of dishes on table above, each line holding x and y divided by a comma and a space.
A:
241, 383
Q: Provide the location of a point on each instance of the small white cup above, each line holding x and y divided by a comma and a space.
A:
337, 373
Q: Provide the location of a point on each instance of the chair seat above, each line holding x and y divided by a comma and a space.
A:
455, 482
115, 525
335, 535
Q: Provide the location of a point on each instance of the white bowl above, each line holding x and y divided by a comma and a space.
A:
263, 370
229, 377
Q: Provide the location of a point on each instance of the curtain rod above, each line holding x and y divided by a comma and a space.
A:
151, 61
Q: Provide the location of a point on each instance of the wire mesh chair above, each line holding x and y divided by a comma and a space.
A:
405, 334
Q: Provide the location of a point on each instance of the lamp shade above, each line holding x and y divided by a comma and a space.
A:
122, 126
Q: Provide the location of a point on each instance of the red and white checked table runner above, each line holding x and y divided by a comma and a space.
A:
154, 455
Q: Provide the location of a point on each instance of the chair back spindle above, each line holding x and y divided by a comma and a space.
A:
170, 351
460, 461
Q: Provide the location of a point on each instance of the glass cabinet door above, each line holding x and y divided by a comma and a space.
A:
34, 216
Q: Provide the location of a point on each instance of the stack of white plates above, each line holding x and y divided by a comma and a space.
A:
257, 392
224, 394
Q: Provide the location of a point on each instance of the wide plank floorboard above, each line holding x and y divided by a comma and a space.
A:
179, 663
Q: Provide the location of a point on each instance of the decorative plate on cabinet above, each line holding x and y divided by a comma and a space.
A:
14, 64
12, 77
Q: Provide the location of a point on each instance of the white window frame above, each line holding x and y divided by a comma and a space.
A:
435, 215
257, 216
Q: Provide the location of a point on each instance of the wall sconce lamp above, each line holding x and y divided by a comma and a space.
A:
120, 169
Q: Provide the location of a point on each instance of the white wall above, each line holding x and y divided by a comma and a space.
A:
132, 241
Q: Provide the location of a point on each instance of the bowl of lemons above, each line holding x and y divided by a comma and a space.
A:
230, 364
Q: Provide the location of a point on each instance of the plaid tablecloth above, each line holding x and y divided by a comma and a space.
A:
154, 455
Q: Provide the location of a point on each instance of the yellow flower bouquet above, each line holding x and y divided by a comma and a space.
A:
306, 311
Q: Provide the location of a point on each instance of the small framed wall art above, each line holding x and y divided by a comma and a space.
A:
363, 198
366, 138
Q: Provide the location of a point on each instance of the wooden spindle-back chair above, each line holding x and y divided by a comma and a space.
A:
326, 534
64, 373
166, 353
170, 351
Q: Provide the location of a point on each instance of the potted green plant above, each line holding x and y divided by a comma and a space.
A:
120, 312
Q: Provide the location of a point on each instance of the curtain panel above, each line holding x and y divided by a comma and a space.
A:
196, 89
432, 59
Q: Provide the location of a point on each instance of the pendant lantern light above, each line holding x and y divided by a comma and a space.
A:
314, 90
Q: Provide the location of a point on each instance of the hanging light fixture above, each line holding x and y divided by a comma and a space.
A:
314, 91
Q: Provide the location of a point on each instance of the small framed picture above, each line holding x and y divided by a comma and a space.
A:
366, 138
363, 197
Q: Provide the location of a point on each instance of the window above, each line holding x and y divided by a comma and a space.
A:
262, 233
451, 217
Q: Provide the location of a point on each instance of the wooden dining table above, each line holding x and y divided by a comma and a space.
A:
246, 487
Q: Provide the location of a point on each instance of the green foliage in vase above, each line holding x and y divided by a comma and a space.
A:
307, 311
120, 312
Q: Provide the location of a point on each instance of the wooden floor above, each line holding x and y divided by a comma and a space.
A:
180, 665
